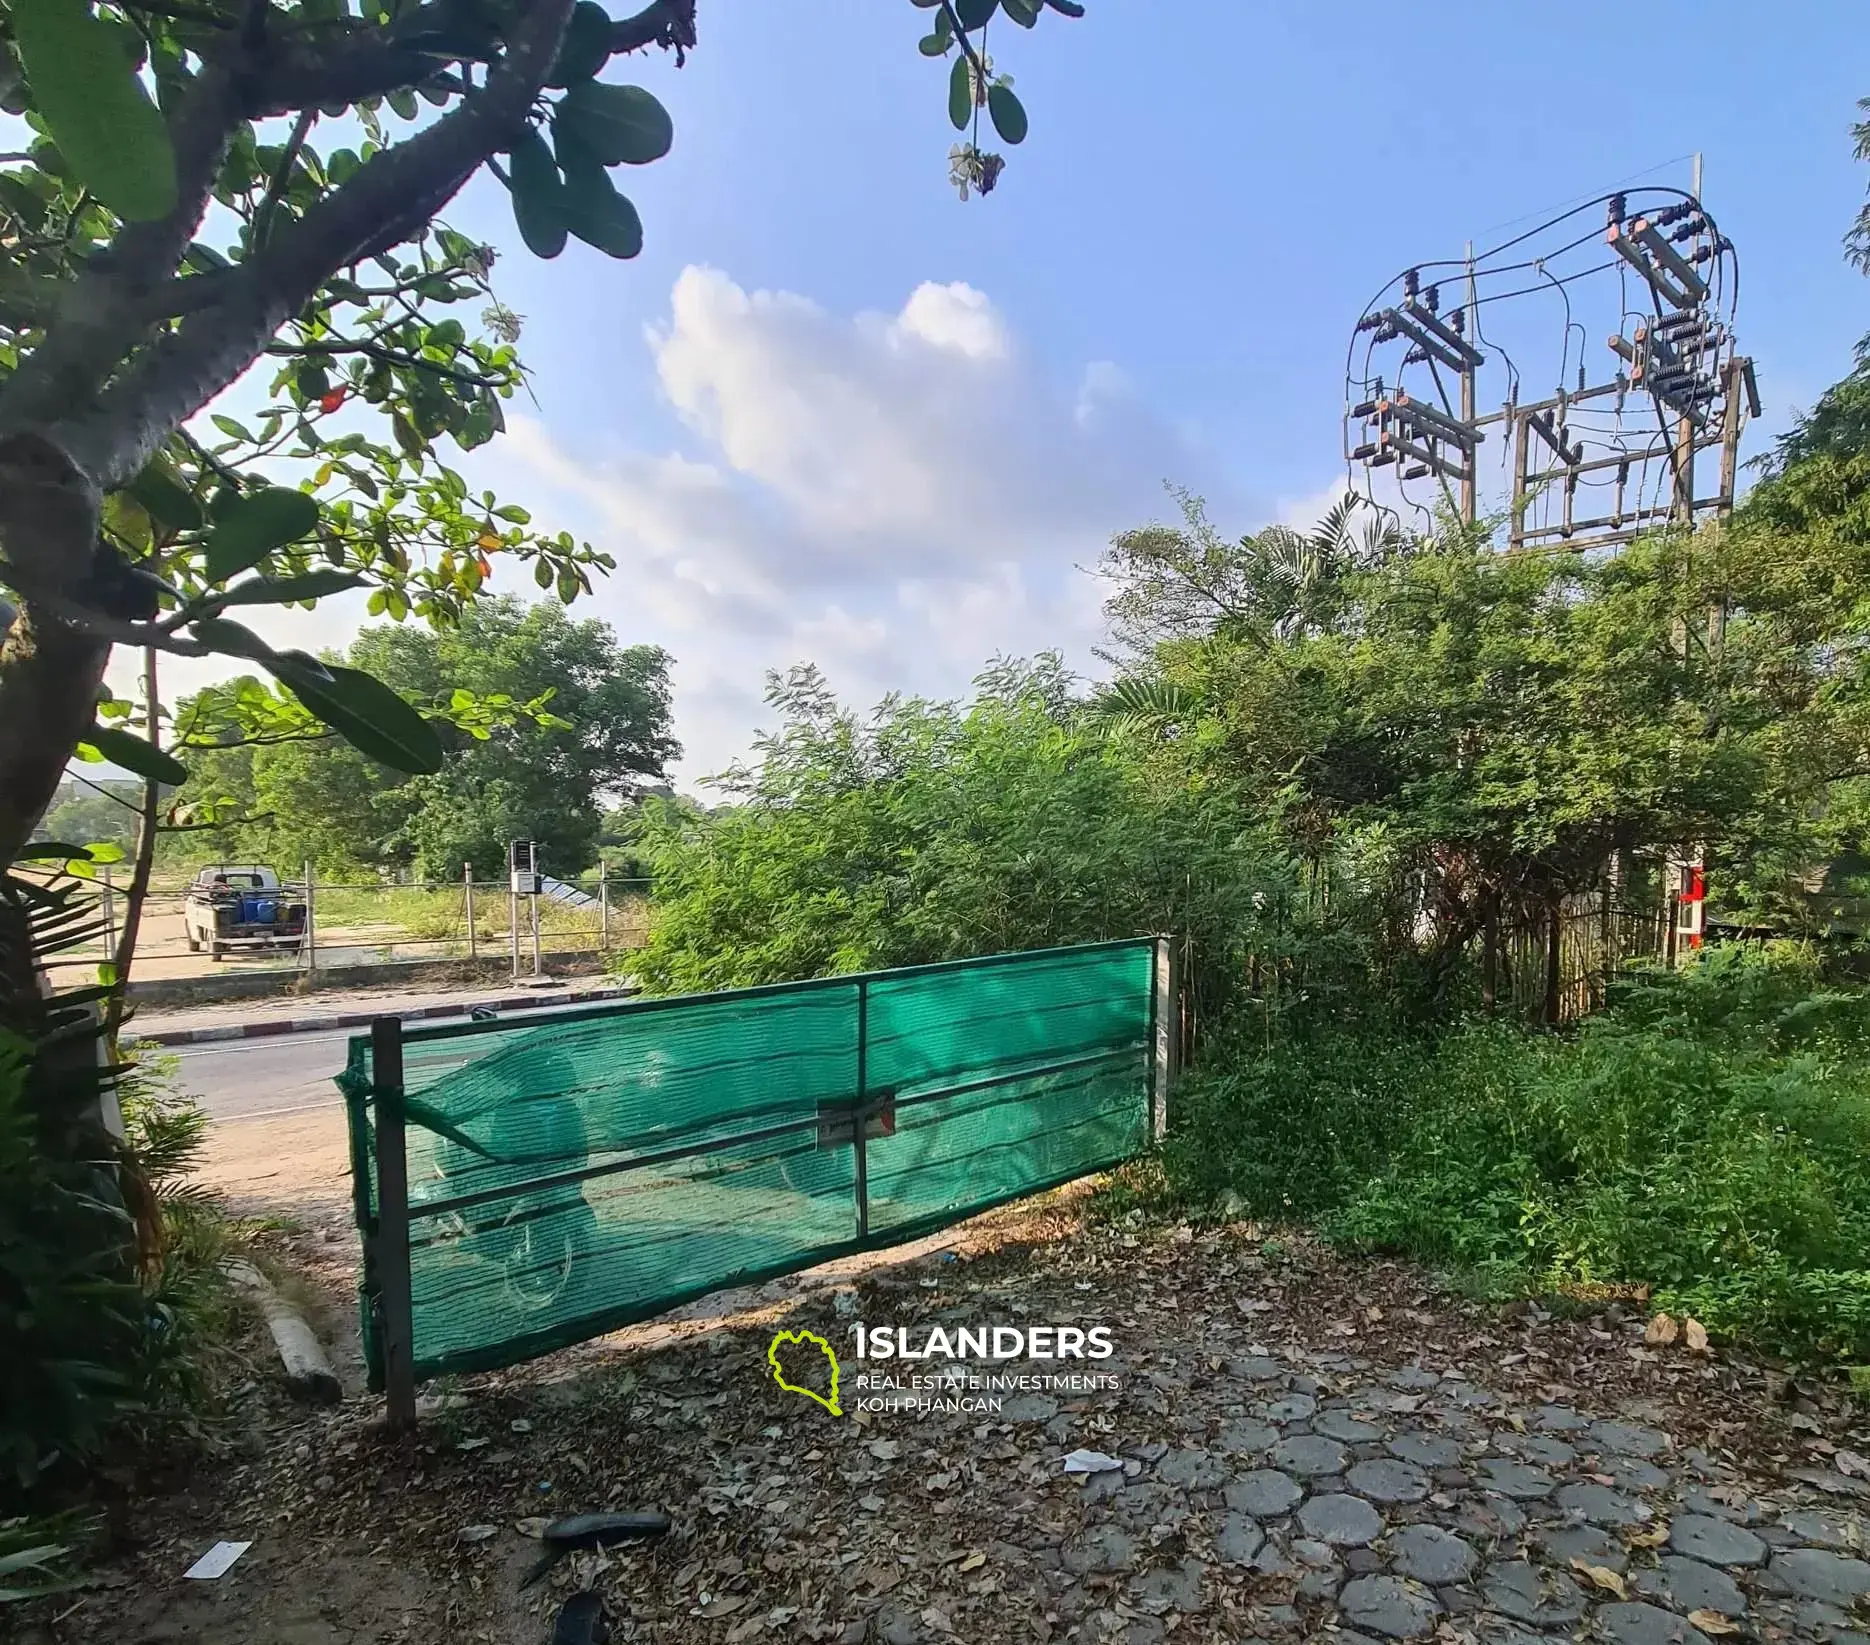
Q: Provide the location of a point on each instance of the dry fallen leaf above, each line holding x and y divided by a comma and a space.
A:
1647, 1539
973, 1562
1851, 1464
1695, 1335
1602, 1575
726, 1605
1662, 1330
1712, 1622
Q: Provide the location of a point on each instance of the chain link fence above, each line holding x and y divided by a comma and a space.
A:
350, 923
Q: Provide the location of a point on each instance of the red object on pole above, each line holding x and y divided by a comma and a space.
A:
1697, 884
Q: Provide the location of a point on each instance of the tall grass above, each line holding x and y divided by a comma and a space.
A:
1708, 1137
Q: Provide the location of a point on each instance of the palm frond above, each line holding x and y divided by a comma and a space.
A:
1147, 706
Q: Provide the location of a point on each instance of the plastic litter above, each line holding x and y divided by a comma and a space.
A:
216, 1561
1090, 1462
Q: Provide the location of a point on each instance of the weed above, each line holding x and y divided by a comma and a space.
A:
1707, 1138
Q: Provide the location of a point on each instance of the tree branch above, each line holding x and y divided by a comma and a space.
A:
216, 827
95, 625
669, 24
177, 12
389, 356
101, 317
361, 64
397, 190
282, 175
148, 813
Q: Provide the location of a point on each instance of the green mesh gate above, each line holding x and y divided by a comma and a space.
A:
555, 1176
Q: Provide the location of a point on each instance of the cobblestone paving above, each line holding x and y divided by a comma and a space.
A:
1445, 1509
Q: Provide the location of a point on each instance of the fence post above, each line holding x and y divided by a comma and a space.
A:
467, 891
392, 1238
1550, 1011
512, 920
603, 913
860, 1117
1168, 1047
311, 923
110, 919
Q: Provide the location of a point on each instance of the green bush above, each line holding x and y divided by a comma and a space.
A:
112, 1304
70, 1314
190, 1309
932, 831
1709, 1136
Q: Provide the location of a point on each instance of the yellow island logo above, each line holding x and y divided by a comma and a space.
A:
801, 1339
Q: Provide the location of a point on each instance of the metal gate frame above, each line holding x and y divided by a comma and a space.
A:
387, 1284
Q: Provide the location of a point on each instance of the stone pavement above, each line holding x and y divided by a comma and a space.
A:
1412, 1504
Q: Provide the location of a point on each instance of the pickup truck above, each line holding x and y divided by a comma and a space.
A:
241, 905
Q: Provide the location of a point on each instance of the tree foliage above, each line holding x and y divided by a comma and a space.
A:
229, 182
932, 830
1466, 737
543, 720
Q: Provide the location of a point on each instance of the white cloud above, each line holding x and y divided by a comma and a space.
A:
896, 497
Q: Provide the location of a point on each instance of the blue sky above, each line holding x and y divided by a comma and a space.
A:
833, 413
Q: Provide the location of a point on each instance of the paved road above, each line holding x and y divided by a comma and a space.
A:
265, 1078
281, 1074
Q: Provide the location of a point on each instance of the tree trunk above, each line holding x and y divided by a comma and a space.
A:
49, 681
146, 832
49, 672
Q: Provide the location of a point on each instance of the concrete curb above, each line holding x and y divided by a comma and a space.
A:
358, 1019
308, 1369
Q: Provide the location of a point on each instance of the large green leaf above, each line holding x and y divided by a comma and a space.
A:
232, 639
538, 196
1023, 12
1008, 114
586, 46
254, 525
598, 214
86, 90
364, 711
313, 585
619, 125
165, 499
960, 93
122, 748
975, 14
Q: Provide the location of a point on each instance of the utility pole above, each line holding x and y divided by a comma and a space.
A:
1608, 453
1674, 390
1468, 368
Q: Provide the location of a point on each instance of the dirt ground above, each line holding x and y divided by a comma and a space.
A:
1303, 1447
